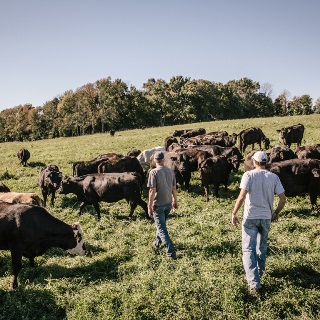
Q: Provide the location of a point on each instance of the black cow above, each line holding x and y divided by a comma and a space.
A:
133, 153
82, 168
277, 153
192, 133
124, 164
168, 141
252, 136
23, 156
107, 187
292, 134
178, 133
308, 152
216, 170
29, 231
180, 164
299, 177
49, 181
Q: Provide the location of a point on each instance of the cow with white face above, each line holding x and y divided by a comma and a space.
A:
29, 231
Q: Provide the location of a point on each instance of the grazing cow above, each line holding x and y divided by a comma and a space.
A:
49, 181
23, 156
169, 141
215, 170
178, 133
292, 134
252, 136
3, 187
29, 231
133, 153
107, 187
21, 197
308, 152
299, 177
145, 155
124, 164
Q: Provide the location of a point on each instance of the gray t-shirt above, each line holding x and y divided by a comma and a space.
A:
163, 180
261, 185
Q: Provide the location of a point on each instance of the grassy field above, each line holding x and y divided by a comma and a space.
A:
123, 278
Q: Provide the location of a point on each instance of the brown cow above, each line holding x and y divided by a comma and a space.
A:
252, 136
292, 134
308, 152
21, 197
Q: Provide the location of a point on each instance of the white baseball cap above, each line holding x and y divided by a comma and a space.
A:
260, 156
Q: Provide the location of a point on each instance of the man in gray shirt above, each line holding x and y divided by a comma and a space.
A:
162, 198
258, 187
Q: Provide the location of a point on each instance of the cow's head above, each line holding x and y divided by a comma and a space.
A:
266, 142
53, 178
235, 162
80, 248
65, 186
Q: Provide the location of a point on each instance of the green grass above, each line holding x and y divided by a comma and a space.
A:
123, 278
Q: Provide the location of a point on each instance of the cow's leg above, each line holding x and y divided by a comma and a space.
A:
97, 207
16, 258
313, 200
44, 194
31, 261
53, 197
144, 206
82, 205
206, 191
133, 206
216, 190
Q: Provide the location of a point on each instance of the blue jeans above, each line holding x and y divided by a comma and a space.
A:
160, 214
254, 249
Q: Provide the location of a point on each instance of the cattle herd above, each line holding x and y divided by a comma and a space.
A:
27, 229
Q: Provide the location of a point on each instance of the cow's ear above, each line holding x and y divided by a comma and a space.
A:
279, 130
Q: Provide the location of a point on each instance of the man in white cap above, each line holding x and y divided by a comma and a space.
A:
258, 187
162, 198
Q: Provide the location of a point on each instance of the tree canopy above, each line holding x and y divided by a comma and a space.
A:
110, 105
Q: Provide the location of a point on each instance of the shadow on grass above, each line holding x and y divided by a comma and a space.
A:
298, 212
36, 164
30, 304
303, 276
105, 269
224, 248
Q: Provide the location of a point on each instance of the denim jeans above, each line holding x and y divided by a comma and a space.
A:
160, 214
254, 249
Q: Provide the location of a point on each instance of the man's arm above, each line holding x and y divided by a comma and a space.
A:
242, 196
152, 194
282, 202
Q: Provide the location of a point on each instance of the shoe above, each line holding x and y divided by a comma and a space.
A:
172, 257
255, 292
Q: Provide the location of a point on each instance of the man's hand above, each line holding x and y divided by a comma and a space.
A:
234, 219
150, 213
274, 217
174, 206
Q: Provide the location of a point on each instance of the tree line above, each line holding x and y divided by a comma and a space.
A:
111, 105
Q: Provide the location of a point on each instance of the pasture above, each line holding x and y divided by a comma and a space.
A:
123, 278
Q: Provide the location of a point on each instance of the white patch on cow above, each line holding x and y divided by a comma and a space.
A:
79, 248
145, 155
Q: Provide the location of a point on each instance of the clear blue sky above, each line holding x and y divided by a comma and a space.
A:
50, 46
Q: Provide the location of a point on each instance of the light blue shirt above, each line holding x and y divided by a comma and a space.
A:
261, 186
